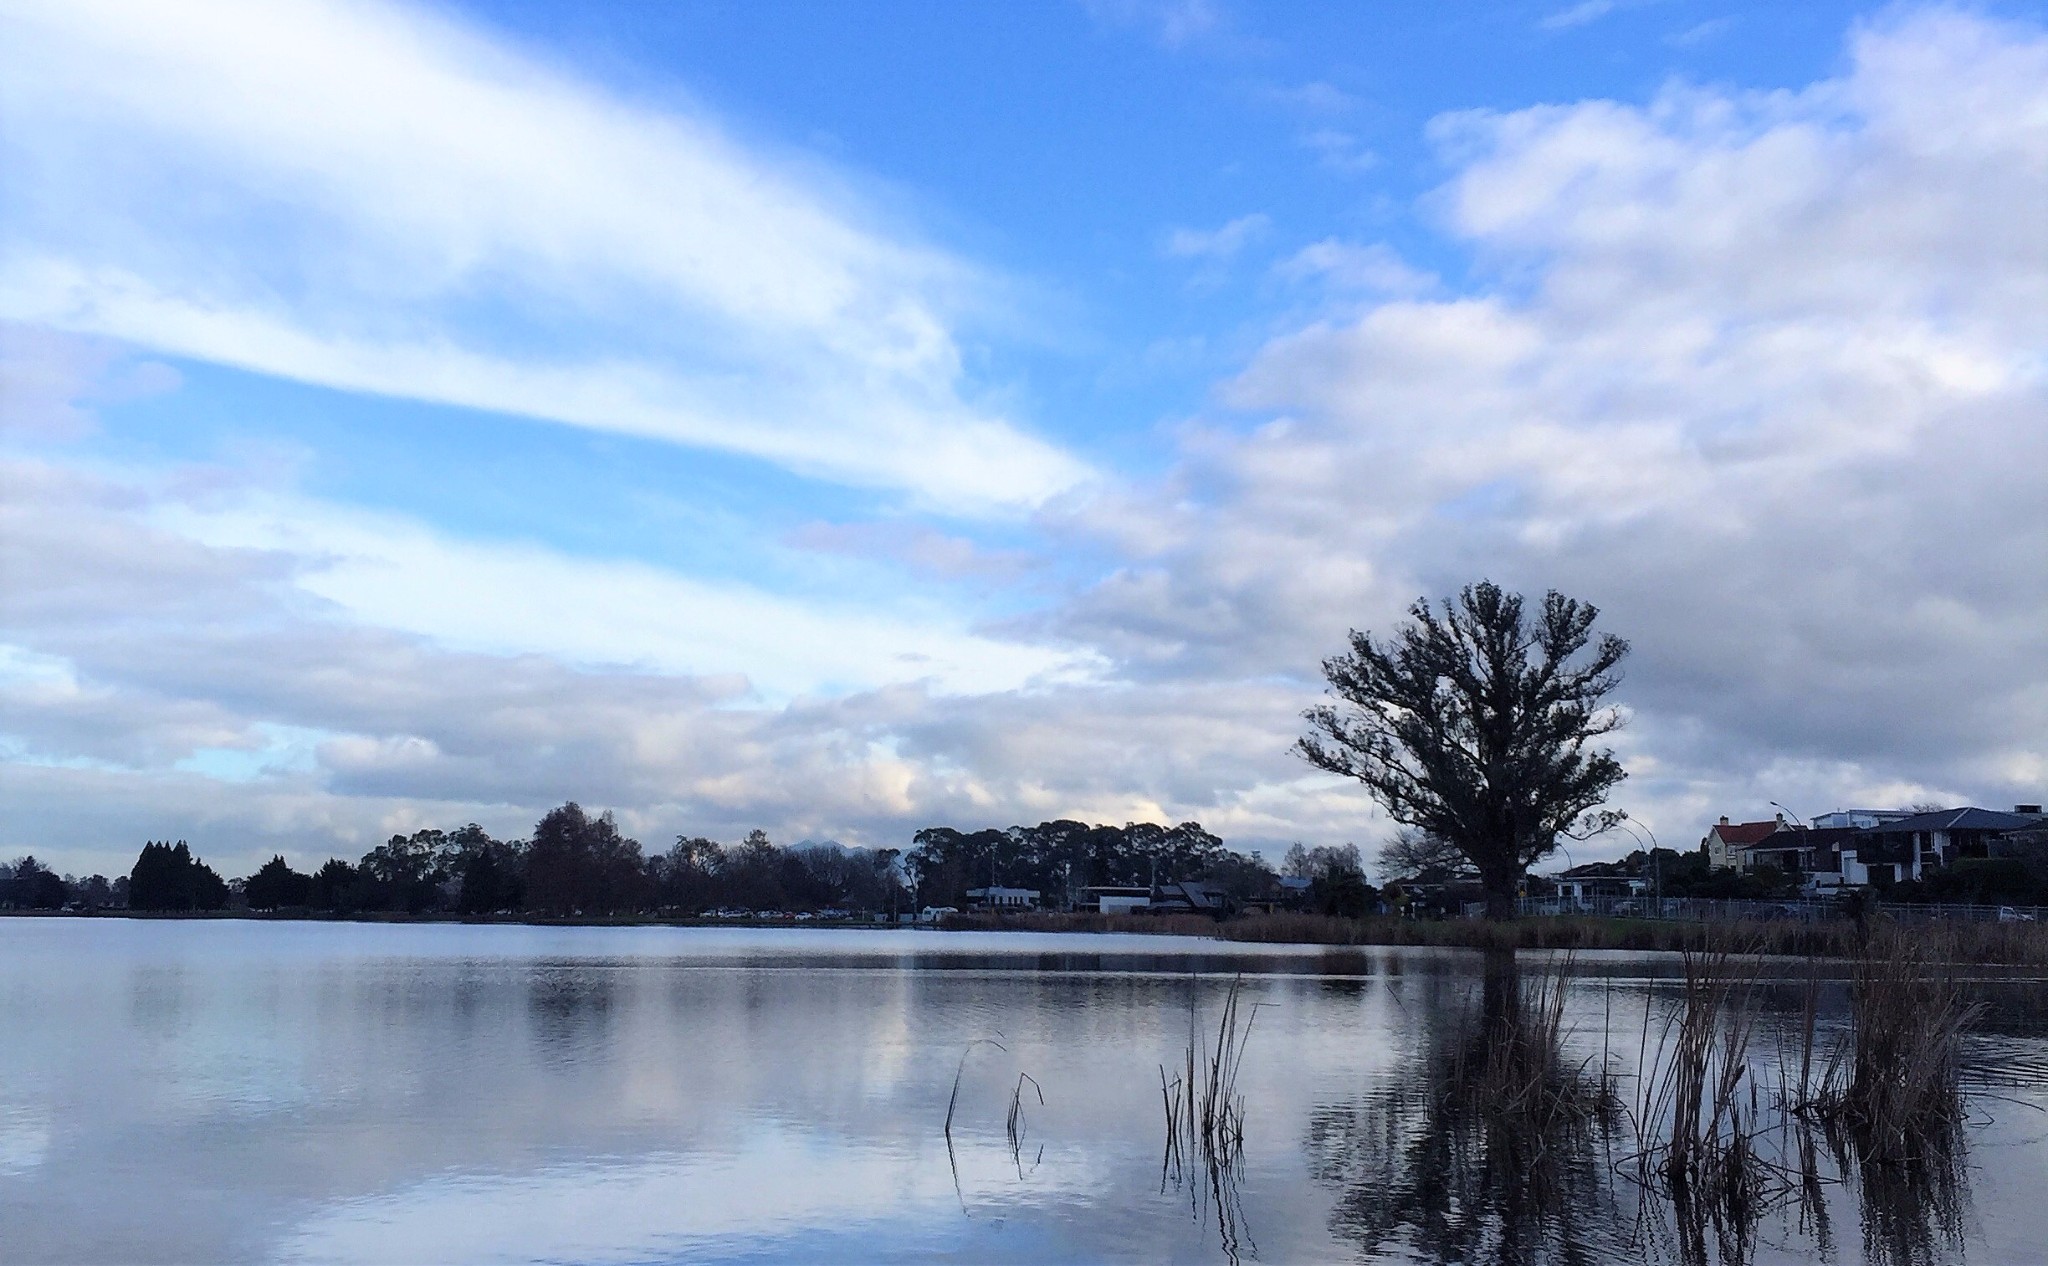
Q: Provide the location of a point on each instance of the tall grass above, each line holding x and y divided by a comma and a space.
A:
1205, 1118
2016, 944
1698, 1113
1893, 1081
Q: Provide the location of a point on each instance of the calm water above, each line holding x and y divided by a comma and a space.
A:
226, 1092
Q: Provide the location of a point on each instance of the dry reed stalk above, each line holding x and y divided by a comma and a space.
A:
1893, 1082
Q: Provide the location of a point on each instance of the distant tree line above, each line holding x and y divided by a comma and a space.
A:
27, 884
577, 863
1062, 859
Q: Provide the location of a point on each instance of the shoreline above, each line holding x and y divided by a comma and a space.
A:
1986, 944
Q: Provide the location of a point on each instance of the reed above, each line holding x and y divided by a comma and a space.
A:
1204, 1110
1893, 1081
1988, 944
1698, 1112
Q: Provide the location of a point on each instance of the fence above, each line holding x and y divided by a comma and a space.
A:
1699, 909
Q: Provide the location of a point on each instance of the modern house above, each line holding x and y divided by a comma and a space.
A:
1003, 898
1594, 880
1191, 897
1861, 819
1115, 900
1862, 846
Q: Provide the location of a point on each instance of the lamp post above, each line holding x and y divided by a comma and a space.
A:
1629, 824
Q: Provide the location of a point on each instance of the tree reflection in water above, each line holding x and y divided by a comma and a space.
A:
1495, 1142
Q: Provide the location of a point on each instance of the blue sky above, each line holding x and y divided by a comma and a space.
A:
847, 418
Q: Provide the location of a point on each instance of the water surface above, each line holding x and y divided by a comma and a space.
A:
197, 1091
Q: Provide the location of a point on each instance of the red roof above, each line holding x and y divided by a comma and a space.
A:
1745, 832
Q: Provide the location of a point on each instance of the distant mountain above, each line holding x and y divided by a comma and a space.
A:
844, 848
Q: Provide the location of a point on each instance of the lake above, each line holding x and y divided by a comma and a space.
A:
200, 1091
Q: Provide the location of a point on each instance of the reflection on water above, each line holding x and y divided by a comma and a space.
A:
1494, 1141
188, 1091
1489, 1142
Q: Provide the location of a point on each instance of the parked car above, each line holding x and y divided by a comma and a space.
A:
2006, 914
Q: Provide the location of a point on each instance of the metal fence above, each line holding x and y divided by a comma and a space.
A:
1706, 910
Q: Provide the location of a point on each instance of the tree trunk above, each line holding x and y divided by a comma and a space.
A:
1500, 895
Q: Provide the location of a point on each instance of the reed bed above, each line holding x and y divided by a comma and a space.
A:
1981, 944
1893, 1080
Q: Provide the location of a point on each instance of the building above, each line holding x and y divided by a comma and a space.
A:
1861, 819
1728, 844
1115, 900
1596, 880
1864, 846
1003, 898
1192, 897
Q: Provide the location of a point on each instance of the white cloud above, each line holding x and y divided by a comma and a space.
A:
1372, 267
387, 202
1218, 243
507, 598
1587, 12
1762, 377
1174, 23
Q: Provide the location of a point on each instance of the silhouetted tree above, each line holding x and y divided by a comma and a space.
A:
34, 886
1414, 854
686, 877
578, 864
1303, 862
95, 892
751, 875
276, 885
402, 874
1473, 725
168, 877
334, 887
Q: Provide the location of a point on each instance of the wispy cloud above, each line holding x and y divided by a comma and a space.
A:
1701, 33
1220, 243
1373, 268
382, 201
1588, 11
1174, 23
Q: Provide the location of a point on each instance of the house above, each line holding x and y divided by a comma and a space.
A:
1931, 841
1861, 819
1597, 880
994, 898
1862, 846
1115, 900
1191, 897
1728, 843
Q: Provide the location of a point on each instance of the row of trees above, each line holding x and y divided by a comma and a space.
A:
27, 884
578, 863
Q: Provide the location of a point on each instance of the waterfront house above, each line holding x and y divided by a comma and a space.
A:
1112, 899
1728, 844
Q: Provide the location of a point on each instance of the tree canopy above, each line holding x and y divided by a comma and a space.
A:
1472, 725
168, 877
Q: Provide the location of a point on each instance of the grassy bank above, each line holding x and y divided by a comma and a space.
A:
2004, 944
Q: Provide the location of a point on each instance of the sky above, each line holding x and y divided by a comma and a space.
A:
846, 419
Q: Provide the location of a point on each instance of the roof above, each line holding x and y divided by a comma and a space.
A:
1599, 870
1812, 836
1744, 832
1965, 819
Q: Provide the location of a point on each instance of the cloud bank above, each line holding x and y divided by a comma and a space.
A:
1760, 374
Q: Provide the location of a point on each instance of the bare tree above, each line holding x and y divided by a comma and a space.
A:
1416, 853
1472, 725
